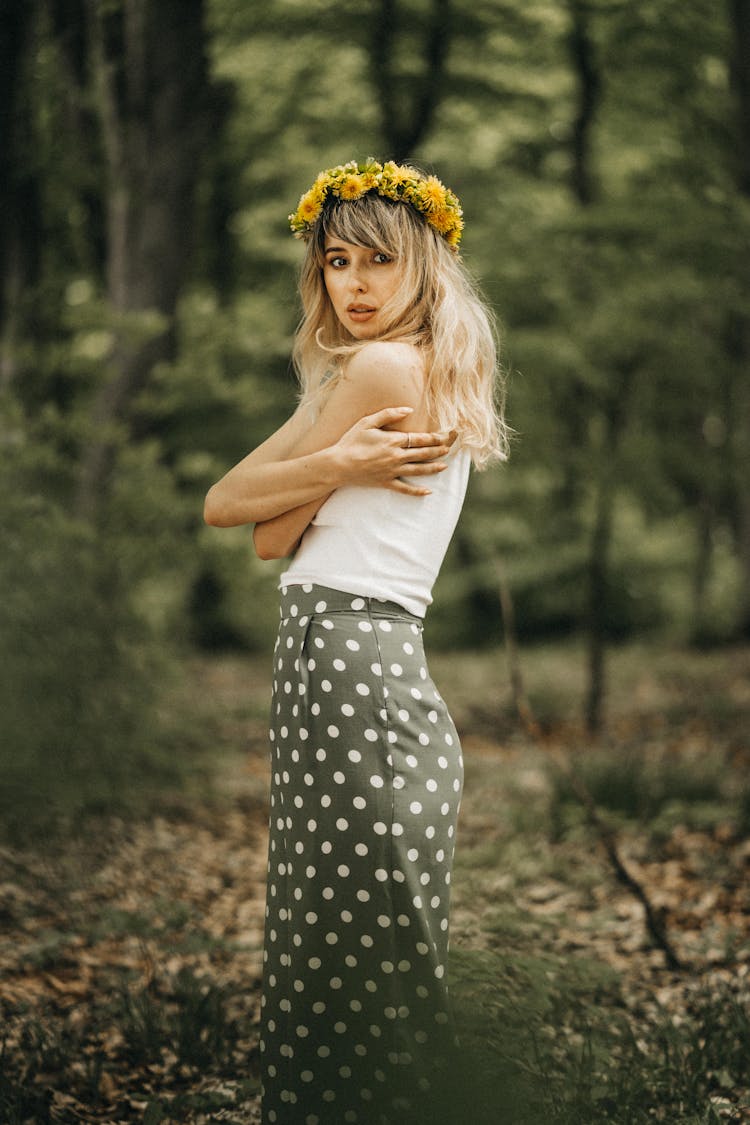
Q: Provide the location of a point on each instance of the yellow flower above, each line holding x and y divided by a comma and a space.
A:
351, 188
433, 194
398, 182
309, 207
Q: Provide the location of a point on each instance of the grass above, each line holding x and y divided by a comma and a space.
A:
566, 1015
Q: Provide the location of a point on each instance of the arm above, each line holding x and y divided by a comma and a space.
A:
379, 373
305, 461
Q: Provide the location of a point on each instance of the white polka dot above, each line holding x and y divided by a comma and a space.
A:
403, 920
359, 803
397, 670
354, 756
381, 875
331, 937
442, 762
326, 847
339, 665
367, 941
449, 739
385, 626
376, 781
397, 829
362, 689
411, 760
321, 754
376, 669
415, 693
384, 920
347, 709
415, 807
333, 731
364, 626
361, 849
327, 624
325, 685
363, 895
423, 739
371, 735
353, 646
325, 800
431, 784
379, 828
321, 607
342, 824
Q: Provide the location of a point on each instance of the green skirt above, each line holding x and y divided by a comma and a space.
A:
367, 775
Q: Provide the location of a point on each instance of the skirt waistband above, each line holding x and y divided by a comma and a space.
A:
309, 598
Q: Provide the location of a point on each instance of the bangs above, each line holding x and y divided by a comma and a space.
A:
370, 221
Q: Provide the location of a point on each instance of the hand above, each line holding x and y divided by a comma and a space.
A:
371, 454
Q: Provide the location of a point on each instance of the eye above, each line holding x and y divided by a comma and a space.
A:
382, 258
337, 262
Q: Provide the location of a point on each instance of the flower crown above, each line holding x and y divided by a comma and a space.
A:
426, 194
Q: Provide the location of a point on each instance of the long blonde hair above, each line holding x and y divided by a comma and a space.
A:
437, 308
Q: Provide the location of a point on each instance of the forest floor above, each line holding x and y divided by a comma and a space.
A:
130, 952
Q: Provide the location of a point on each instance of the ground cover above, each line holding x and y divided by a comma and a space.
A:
130, 949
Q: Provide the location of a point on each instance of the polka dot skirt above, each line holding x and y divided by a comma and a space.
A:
366, 784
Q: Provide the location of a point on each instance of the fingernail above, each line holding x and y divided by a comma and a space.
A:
405, 409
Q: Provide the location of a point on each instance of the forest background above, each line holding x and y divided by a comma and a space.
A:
150, 151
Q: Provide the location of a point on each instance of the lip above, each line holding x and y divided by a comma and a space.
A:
361, 313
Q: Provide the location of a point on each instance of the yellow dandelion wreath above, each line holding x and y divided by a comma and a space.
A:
399, 182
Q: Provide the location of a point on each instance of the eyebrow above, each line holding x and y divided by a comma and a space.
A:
335, 250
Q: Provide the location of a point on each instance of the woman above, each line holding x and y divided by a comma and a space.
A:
363, 487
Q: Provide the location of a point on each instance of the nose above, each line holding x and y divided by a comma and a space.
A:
357, 281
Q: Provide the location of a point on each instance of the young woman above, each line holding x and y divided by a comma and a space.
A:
363, 487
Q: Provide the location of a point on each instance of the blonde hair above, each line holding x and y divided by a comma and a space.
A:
437, 308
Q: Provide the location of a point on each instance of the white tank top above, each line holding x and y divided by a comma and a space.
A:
383, 544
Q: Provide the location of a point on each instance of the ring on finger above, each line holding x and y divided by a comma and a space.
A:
408, 441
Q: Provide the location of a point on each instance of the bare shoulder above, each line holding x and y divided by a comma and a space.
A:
390, 365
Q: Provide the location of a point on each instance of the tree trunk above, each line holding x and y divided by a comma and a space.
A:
406, 118
20, 207
150, 73
739, 20
704, 525
586, 70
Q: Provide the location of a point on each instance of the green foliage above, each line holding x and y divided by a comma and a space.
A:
542, 1041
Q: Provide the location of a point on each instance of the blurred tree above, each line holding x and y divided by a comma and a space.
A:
148, 68
739, 325
408, 102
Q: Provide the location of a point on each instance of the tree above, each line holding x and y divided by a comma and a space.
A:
148, 68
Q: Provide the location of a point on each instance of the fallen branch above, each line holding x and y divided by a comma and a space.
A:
607, 838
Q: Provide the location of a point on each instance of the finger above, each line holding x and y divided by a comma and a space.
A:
422, 468
424, 441
398, 485
386, 417
426, 453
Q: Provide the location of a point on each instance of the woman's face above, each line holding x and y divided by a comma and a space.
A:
359, 282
